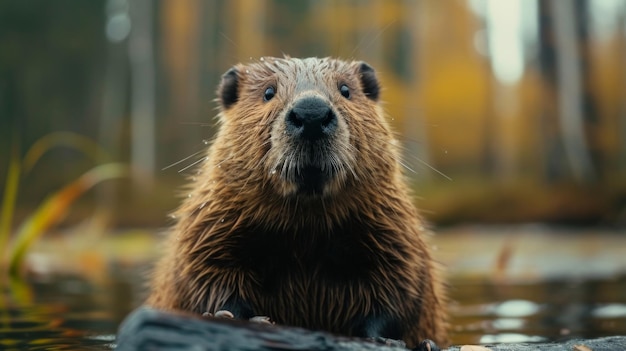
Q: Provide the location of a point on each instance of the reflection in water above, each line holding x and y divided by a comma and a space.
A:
509, 338
508, 323
65, 313
57, 328
611, 310
516, 308
69, 313
486, 312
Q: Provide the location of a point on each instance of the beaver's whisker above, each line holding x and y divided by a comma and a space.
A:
431, 167
403, 161
406, 166
183, 160
229, 39
372, 40
204, 158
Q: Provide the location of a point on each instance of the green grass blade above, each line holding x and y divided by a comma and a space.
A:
55, 206
10, 195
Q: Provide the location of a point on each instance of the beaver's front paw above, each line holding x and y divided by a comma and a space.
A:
427, 345
261, 319
230, 315
219, 314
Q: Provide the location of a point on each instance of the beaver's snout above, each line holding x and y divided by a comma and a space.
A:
311, 118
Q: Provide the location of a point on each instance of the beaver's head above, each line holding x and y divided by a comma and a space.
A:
303, 127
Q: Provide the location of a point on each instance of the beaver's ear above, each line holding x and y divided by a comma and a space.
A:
369, 82
228, 91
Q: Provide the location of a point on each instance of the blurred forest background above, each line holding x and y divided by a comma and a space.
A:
508, 110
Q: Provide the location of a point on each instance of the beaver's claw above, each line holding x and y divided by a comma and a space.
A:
229, 315
261, 319
219, 314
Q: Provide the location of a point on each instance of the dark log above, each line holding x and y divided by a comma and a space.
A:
149, 329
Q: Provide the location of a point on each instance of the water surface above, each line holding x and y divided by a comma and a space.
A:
70, 311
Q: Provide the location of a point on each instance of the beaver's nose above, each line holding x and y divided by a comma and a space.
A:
311, 118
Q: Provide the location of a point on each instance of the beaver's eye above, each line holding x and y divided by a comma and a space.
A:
345, 91
269, 93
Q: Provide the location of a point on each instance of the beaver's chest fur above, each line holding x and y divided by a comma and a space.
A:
338, 281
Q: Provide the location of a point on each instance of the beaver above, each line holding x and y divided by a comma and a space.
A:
301, 211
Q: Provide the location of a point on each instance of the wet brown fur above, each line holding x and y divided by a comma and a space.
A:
317, 261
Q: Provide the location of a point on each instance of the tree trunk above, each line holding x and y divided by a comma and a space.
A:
140, 49
622, 111
551, 149
570, 80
